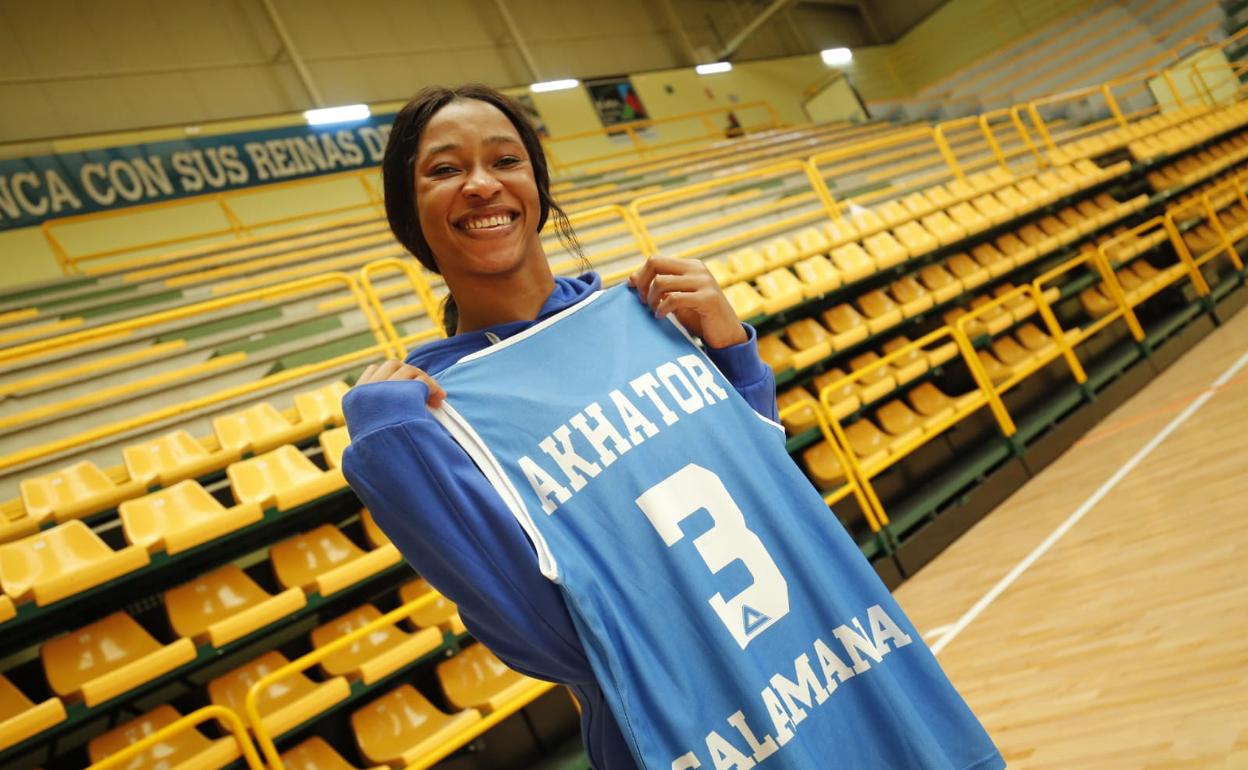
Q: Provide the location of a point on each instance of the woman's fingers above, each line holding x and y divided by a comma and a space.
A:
663, 285
392, 370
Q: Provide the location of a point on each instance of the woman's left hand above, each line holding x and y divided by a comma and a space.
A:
685, 288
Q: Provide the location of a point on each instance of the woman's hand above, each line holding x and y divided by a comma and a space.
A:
687, 289
397, 370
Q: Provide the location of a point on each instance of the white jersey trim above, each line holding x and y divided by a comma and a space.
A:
467, 437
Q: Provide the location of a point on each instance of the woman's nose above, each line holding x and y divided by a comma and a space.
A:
481, 183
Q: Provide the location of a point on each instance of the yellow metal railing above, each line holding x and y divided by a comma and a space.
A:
231, 721
265, 740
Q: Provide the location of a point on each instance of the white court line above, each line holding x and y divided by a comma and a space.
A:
1082, 510
937, 631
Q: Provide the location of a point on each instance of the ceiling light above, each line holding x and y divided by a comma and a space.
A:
835, 56
554, 85
711, 69
336, 114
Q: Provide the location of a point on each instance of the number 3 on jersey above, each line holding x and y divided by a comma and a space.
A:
691, 489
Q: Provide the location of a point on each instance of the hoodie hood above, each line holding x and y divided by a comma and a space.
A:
440, 354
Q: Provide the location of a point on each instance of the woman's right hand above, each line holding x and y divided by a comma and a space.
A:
391, 370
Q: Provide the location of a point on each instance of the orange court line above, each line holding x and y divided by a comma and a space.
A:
1167, 408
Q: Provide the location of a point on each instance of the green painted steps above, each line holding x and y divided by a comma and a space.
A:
110, 291
17, 295
155, 298
303, 330
219, 326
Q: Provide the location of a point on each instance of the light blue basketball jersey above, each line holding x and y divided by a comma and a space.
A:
728, 616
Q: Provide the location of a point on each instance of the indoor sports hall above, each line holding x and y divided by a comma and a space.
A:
990, 250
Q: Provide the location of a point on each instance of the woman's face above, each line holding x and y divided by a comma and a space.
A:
475, 191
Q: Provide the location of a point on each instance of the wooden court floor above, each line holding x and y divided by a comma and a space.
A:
1099, 617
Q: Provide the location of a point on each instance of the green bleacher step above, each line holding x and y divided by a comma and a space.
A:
965, 470
319, 353
39, 291
132, 304
111, 291
304, 330
223, 325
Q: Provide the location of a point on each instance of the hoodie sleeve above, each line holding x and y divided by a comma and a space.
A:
748, 374
453, 528
449, 523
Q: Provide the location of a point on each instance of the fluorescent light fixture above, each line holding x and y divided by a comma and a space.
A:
554, 85
711, 69
336, 114
835, 56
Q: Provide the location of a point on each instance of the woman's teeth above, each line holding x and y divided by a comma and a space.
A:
494, 221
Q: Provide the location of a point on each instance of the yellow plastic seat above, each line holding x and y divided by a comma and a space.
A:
258, 428
892, 213
1014, 200
915, 239
747, 263
853, 262
1051, 180
376, 654
823, 467
940, 283
908, 365
720, 271
847, 325
745, 300
965, 215
22, 718
775, 353
1009, 352
402, 725
316, 754
930, 402
166, 460
818, 275
900, 422
475, 678
322, 407
881, 381
918, 204
1095, 215
996, 263
991, 208
811, 241
941, 354
944, 228
184, 750
1074, 220
441, 613
62, 561
811, 342
940, 197
996, 371
1038, 239
885, 250
326, 561
879, 310
333, 443
75, 492
798, 420
1020, 306
779, 252
780, 289
974, 328
1014, 249
996, 320
1036, 193
840, 232
869, 443
284, 704
967, 271
960, 190
910, 296
224, 605
376, 538
982, 182
1039, 343
7, 609
181, 517
844, 399
283, 478
107, 658
1095, 302
865, 221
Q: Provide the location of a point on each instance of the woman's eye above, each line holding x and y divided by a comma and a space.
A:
442, 170
508, 161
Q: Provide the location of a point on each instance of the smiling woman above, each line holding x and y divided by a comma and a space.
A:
468, 193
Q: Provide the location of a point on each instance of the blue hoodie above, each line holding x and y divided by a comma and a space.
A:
454, 529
